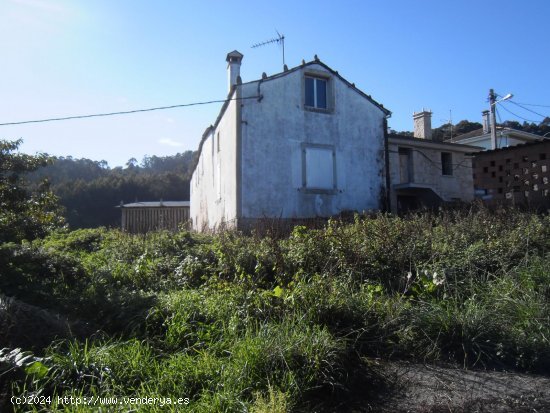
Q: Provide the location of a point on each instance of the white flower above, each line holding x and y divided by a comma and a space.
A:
438, 280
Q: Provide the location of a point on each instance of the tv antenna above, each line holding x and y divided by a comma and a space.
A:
450, 122
279, 40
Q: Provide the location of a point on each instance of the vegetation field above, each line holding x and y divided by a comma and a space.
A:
247, 323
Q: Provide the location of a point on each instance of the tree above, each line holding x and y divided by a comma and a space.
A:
24, 214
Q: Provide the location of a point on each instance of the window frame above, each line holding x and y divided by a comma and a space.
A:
317, 190
329, 91
447, 164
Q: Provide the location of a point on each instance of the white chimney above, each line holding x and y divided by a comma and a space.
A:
423, 124
233, 68
486, 121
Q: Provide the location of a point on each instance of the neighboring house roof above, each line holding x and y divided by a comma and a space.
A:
428, 143
161, 204
518, 147
478, 135
276, 76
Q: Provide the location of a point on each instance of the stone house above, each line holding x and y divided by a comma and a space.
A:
302, 143
428, 173
505, 136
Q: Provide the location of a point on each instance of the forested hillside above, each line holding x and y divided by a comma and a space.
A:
90, 190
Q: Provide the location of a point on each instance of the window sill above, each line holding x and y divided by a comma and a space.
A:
318, 191
318, 110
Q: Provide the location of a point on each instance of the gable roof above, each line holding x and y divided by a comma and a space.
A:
156, 204
335, 73
508, 131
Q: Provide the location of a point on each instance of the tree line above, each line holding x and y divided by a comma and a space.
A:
89, 191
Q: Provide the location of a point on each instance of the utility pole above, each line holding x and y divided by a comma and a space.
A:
492, 108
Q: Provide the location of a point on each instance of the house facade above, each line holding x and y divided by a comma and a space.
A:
427, 173
506, 137
303, 143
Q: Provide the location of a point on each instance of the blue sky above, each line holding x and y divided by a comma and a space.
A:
64, 58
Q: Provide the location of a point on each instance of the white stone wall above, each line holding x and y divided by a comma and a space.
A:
274, 132
503, 141
213, 184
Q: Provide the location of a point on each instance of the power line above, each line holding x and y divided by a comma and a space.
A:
527, 109
517, 116
498, 115
532, 104
128, 112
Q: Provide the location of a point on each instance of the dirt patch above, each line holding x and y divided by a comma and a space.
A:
32, 328
428, 388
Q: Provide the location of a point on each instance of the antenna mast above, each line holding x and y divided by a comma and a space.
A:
450, 122
280, 40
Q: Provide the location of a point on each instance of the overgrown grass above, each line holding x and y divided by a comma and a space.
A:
249, 323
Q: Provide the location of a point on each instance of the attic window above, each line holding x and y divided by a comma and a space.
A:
316, 92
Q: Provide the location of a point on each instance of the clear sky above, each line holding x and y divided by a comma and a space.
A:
63, 58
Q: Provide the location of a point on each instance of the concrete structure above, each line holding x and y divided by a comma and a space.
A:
299, 144
423, 124
517, 175
427, 173
141, 217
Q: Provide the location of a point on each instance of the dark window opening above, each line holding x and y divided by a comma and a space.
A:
446, 163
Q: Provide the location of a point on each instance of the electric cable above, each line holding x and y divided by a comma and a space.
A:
123, 112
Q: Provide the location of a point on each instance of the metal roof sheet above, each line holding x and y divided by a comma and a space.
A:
156, 204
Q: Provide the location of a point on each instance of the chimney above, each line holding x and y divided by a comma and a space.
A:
233, 68
423, 124
486, 121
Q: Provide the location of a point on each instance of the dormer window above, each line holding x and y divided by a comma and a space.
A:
316, 95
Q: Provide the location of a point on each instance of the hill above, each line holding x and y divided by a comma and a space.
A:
89, 190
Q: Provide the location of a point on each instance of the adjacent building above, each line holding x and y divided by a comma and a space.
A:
505, 136
427, 173
515, 175
141, 217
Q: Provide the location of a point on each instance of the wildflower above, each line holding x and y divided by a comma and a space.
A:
409, 275
438, 280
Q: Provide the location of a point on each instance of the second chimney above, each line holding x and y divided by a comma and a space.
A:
423, 124
233, 59
486, 121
